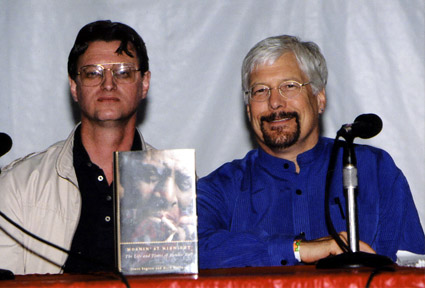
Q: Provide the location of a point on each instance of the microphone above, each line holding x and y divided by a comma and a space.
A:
6, 274
5, 143
364, 126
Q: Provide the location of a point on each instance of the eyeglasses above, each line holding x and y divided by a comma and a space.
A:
288, 89
93, 75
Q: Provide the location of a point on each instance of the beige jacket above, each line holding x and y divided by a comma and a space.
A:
40, 192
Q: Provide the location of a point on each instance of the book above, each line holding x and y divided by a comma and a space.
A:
155, 208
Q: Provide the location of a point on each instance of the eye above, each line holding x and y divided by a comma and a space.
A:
183, 181
289, 86
92, 73
123, 73
259, 90
150, 174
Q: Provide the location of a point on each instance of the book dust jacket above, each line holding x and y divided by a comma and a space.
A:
155, 206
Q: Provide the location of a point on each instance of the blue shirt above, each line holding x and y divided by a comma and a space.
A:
251, 210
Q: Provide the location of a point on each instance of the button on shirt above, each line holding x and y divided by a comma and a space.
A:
94, 237
251, 210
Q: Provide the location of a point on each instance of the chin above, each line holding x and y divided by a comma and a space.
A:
280, 140
111, 116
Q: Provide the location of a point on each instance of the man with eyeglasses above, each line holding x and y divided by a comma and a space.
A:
268, 209
64, 194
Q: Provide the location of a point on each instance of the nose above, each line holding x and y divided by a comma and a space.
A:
276, 100
108, 81
168, 191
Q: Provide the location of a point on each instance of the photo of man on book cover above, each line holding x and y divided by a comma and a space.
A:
157, 210
161, 188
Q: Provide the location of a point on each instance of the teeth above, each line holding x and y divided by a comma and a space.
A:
277, 120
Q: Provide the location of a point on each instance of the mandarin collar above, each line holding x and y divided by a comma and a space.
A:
271, 163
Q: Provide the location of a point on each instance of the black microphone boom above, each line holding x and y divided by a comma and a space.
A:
5, 143
364, 126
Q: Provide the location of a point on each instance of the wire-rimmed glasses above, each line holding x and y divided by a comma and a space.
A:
288, 89
93, 75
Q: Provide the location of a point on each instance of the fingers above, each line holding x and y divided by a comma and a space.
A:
362, 245
344, 236
335, 250
366, 248
314, 250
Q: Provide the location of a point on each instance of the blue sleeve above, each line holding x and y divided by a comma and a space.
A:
399, 227
223, 246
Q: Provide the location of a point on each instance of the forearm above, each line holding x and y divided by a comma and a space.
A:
223, 249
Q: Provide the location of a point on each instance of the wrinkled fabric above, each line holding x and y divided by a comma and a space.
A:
40, 193
375, 50
251, 210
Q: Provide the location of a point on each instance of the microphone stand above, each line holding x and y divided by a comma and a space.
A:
350, 184
354, 258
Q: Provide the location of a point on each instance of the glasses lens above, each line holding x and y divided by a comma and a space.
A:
124, 73
290, 89
259, 93
91, 75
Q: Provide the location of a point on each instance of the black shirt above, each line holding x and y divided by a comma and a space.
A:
94, 237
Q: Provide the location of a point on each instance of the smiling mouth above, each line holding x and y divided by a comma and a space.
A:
281, 120
281, 117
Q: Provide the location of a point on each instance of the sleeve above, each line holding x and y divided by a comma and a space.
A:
12, 253
221, 245
399, 227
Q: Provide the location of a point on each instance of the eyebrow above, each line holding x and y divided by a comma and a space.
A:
280, 82
113, 63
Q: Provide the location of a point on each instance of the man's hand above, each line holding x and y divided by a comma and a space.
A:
314, 250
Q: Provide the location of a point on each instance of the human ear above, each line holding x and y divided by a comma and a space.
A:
73, 88
248, 112
146, 83
321, 101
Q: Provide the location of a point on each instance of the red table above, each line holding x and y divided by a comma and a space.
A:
295, 276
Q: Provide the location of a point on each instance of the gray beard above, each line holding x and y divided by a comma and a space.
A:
279, 139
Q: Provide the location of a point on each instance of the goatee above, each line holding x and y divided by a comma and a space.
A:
280, 137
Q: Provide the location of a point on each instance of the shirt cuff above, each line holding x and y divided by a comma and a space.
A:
281, 251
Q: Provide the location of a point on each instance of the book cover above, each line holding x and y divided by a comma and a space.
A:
155, 204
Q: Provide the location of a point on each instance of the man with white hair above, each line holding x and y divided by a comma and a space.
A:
268, 209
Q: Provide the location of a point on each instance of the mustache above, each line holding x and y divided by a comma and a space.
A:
280, 115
